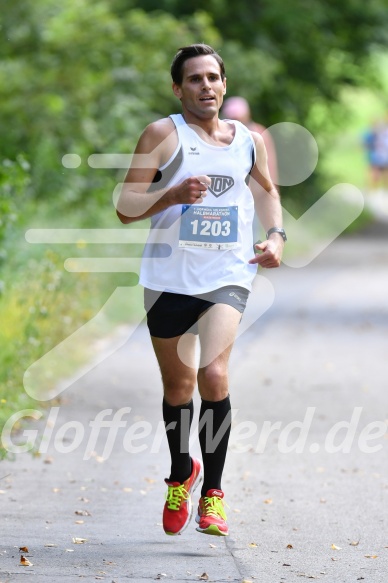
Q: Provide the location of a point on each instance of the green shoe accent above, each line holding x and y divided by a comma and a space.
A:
175, 495
214, 530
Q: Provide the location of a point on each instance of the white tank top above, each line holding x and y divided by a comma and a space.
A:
194, 249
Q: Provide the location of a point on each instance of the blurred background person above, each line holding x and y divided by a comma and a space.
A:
238, 108
375, 141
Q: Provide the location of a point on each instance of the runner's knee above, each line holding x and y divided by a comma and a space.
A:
178, 391
213, 382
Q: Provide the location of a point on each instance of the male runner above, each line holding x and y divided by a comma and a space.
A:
190, 174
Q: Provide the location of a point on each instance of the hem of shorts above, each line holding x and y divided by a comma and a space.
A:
192, 292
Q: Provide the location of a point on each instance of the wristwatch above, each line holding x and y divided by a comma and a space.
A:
277, 230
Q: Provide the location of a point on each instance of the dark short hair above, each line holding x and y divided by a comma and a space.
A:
189, 52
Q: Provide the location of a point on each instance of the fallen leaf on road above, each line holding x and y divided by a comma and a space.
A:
212, 546
246, 581
286, 565
371, 556
79, 522
25, 562
56, 490
23, 549
252, 545
69, 550
79, 541
335, 548
204, 577
354, 543
50, 545
150, 480
160, 575
289, 547
268, 501
82, 513
127, 489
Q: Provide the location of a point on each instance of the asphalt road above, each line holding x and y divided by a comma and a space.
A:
306, 476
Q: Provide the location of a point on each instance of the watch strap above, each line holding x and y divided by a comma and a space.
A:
277, 230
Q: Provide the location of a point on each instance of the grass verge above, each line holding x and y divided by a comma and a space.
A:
42, 304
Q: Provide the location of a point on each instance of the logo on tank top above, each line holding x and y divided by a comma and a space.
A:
220, 184
193, 152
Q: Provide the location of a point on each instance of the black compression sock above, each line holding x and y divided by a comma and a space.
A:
177, 421
214, 430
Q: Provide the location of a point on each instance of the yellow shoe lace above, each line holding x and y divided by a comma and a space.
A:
175, 495
214, 506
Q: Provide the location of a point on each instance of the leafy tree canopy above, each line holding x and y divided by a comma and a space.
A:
77, 77
292, 53
86, 76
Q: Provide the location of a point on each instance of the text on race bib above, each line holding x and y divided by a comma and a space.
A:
213, 228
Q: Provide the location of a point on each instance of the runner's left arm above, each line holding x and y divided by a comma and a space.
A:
268, 208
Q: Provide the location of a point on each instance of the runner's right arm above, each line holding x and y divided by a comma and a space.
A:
156, 145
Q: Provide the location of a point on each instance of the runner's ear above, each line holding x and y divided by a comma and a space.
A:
177, 90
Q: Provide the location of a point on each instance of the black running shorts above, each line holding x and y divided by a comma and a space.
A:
170, 314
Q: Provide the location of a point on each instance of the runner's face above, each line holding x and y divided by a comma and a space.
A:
202, 89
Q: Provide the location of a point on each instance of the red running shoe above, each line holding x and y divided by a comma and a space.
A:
178, 508
211, 517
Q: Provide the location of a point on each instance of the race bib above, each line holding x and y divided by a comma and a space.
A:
213, 228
